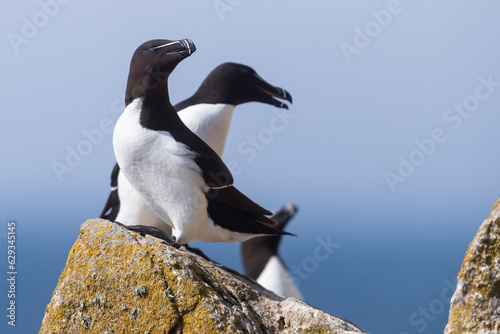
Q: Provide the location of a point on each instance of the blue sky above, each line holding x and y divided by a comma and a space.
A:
389, 148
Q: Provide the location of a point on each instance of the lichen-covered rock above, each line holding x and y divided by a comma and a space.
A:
475, 305
116, 281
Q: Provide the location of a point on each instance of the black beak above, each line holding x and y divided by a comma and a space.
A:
184, 47
189, 46
271, 92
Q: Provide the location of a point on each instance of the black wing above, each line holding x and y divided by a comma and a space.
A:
112, 207
230, 196
230, 209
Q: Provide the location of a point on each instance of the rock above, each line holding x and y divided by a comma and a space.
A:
117, 281
475, 305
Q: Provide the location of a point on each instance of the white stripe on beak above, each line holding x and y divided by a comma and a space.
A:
164, 45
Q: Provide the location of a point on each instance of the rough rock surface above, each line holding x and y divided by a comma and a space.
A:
117, 281
475, 305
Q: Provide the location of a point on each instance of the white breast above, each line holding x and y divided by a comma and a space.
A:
163, 172
277, 278
210, 122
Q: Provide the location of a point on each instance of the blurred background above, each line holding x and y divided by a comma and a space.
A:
389, 149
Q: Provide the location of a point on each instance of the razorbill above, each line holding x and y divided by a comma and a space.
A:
208, 114
262, 262
175, 172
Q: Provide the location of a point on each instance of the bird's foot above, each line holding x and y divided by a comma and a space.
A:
153, 231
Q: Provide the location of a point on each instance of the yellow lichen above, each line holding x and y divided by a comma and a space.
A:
479, 280
115, 280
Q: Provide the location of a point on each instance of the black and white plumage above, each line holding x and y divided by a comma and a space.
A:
262, 262
208, 114
175, 172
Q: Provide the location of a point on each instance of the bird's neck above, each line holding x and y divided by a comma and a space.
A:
157, 112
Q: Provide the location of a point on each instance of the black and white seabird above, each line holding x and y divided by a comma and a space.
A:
208, 114
175, 172
262, 262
